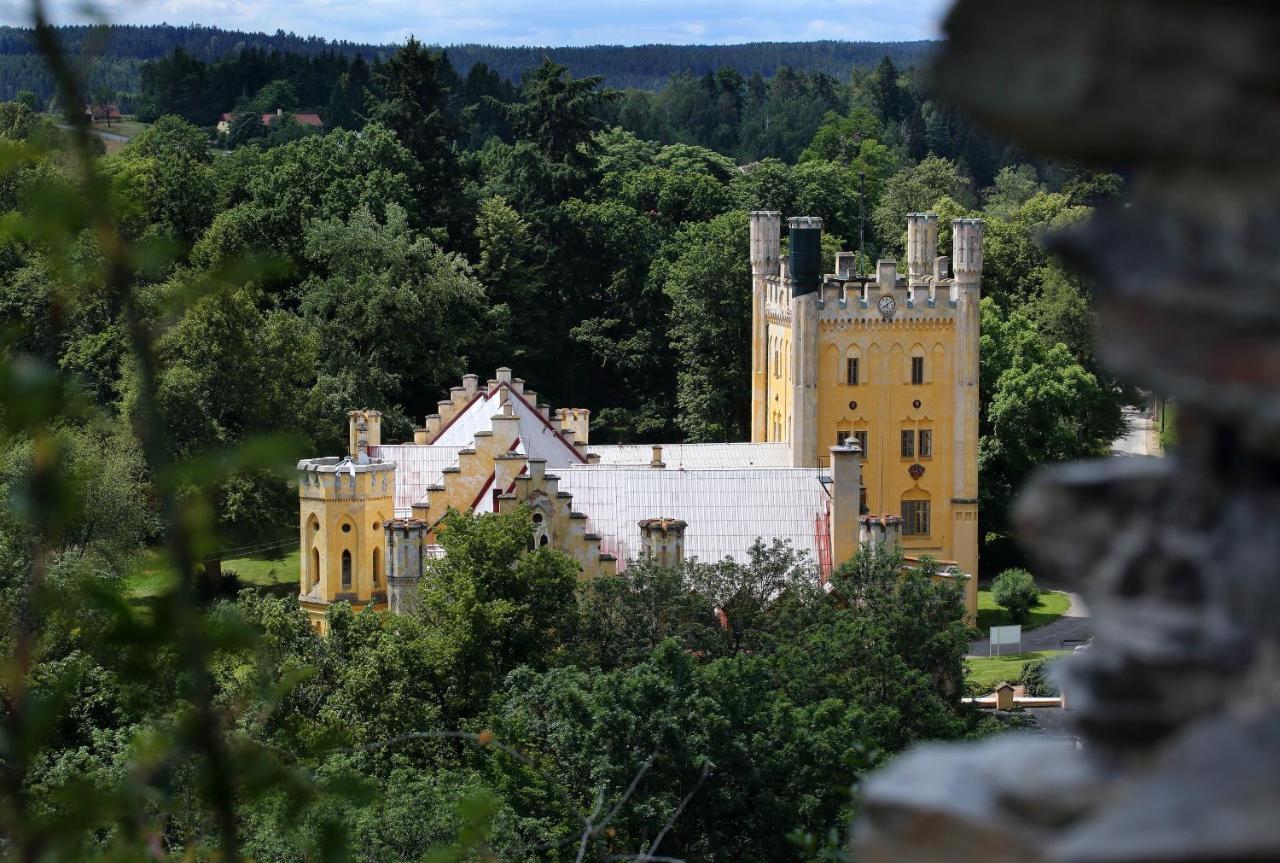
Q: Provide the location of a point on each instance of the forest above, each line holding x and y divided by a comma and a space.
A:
183, 322
113, 57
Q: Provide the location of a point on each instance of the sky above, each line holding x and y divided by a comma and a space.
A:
524, 22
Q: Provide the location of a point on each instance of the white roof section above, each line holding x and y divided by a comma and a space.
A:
725, 509
696, 456
538, 437
417, 466
421, 465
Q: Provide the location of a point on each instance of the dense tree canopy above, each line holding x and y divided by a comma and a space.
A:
597, 242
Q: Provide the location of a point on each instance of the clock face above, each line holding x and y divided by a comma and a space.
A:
887, 306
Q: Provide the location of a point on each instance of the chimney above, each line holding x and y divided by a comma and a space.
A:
364, 429
922, 246
279, 111
966, 249
657, 461
805, 254
886, 273
662, 540
881, 532
504, 376
846, 501
766, 241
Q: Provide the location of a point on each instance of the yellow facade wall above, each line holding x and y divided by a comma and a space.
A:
882, 404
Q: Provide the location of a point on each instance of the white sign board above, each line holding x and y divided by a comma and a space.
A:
1002, 635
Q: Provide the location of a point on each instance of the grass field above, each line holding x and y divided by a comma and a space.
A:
127, 128
986, 673
1052, 606
153, 575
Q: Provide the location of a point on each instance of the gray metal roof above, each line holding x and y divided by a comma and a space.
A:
726, 510
417, 466
696, 456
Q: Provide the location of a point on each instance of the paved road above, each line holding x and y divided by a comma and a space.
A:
1073, 627
1139, 437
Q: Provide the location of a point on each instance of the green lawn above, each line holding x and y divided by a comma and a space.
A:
152, 574
986, 673
127, 128
1052, 606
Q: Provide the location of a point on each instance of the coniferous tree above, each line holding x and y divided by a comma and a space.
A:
413, 103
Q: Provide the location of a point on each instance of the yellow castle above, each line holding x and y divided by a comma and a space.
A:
864, 430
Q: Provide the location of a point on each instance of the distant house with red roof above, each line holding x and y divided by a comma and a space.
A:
103, 113
225, 121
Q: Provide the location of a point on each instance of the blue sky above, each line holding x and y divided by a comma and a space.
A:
520, 22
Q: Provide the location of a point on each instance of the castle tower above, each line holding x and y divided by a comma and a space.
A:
887, 360
966, 257
343, 504
406, 542
805, 282
766, 253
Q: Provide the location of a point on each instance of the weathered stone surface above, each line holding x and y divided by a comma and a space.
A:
1211, 794
943, 802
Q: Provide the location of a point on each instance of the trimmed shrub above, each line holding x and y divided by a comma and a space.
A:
1016, 591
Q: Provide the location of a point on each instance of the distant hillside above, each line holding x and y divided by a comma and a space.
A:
122, 50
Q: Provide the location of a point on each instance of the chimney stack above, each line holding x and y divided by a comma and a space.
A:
805, 254
922, 246
846, 501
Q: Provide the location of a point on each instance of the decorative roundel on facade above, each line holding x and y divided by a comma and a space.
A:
916, 470
853, 406
916, 404
346, 528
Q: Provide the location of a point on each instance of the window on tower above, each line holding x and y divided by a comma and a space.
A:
851, 371
925, 449
917, 370
908, 443
346, 570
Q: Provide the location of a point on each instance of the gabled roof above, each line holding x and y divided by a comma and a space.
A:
694, 456
538, 437
726, 510
421, 465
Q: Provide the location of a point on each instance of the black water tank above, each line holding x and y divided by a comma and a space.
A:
805, 246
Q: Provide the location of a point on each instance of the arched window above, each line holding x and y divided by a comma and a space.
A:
346, 570
852, 367
314, 576
918, 375
377, 565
